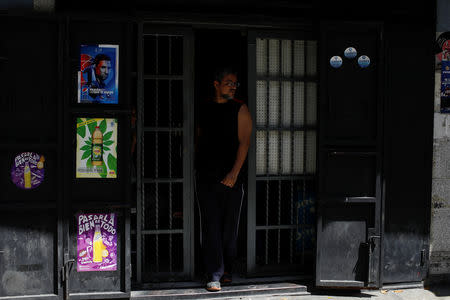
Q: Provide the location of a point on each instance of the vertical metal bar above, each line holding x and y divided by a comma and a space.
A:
62, 92
303, 222
66, 184
305, 115
379, 211
157, 154
156, 54
170, 55
251, 208
188, 155
267, 108
170, 166
280, 99
267, 223
267, 154
292, 154
157, 134
139, 148
126, 262
292, 241
279, 220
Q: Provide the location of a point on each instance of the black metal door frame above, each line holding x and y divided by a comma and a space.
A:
332, 205
305, 34
117, 284
150, 29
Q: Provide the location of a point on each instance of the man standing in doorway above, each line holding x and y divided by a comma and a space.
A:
224, 139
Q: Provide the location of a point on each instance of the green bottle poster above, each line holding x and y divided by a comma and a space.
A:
96, 148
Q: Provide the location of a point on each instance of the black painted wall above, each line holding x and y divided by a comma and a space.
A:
408, 150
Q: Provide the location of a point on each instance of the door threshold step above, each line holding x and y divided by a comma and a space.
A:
227, 292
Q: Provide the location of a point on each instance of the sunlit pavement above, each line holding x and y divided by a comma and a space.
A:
438, 293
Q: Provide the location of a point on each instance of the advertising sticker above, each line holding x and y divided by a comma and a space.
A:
96, 155
98, 78
336, 62
445, 86
350, 52
363, 61
96, 242
27, 171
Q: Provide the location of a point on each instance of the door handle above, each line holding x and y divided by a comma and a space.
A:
371, 244
66, 269
372, 241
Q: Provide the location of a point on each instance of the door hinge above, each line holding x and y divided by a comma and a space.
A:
423, 257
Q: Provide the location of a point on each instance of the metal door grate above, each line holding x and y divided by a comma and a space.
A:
285, 155
163, 208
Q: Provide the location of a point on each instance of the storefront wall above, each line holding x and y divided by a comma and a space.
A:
40, 226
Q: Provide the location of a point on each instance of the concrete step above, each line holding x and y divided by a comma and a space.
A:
264, 289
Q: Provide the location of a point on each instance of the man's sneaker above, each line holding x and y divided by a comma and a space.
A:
213, 286
226, 278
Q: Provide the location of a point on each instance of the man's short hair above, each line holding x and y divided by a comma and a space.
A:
220, 73
101, 57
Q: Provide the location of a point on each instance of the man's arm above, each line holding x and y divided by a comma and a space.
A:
244, 134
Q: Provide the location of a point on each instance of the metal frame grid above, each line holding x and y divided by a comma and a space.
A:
186, 152
273, 131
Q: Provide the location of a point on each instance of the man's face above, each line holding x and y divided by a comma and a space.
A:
227, 87
102, 69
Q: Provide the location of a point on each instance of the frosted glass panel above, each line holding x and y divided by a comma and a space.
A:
274, 103
299, 104
286, 103
274, 151
261, 56
311, 56
261, 103
298, 152
274, 57
286, 58
311, 103
286, 152
311, 152
299, 58
261, 152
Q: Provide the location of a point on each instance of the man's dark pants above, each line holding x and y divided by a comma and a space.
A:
220, 211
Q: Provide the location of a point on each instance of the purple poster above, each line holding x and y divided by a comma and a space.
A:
96, 242
27, 171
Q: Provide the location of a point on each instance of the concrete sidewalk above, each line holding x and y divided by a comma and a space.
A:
432, 293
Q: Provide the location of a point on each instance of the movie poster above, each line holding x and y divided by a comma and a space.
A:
96, 242
98, 78
96, 154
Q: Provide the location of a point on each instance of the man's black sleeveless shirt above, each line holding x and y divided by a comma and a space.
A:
218, 141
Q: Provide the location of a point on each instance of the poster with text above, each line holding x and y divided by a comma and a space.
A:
96, 242
98, 78
96, 154
445, 86
27, 171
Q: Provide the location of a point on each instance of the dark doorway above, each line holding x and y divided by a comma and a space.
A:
215, 49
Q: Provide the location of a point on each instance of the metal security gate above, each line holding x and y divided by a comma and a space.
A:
164, 227
282, 159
